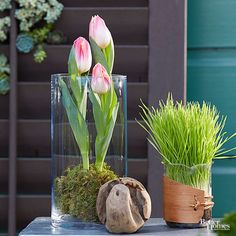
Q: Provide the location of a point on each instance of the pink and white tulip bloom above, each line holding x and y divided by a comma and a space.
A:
83, 55
101, 81
99, 32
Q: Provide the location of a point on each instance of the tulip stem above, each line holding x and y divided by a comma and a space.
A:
105, 55
85, 161
99, 164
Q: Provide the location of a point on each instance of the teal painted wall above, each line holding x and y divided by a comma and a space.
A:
211, 23
211, 76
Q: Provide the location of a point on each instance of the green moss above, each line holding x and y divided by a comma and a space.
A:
40, 54
76, 191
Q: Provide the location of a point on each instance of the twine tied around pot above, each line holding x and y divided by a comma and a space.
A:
207, 204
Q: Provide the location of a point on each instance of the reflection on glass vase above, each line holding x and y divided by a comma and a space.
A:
89, 145
187, 195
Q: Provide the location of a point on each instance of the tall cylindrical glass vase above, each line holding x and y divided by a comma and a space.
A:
89, 145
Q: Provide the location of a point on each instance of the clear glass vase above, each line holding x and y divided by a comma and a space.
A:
74, 187
187, 195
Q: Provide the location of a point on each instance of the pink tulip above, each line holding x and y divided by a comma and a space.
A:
101, 81
83, 55
99, 32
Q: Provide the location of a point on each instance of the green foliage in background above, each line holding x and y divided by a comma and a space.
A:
5, 5
5, 23
4, 75
31, 12
40, 35
76, 191
230, 220
37, 18
187, 137
56, 37
24, 43
39, 54
36, 38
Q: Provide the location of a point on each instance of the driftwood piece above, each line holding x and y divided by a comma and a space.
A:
123, 205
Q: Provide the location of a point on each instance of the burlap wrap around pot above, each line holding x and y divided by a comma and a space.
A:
183, 203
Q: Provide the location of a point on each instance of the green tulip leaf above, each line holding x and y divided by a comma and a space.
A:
77, 123
110, 54
76, 106
103, 140
111, 100
98, 55
72, 65
80, 93
97, 112
83, 103
105, 109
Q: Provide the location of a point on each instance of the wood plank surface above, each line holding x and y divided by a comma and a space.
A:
130, 60
104, 3
131, 28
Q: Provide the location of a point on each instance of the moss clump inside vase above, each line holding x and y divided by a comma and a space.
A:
76, 191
